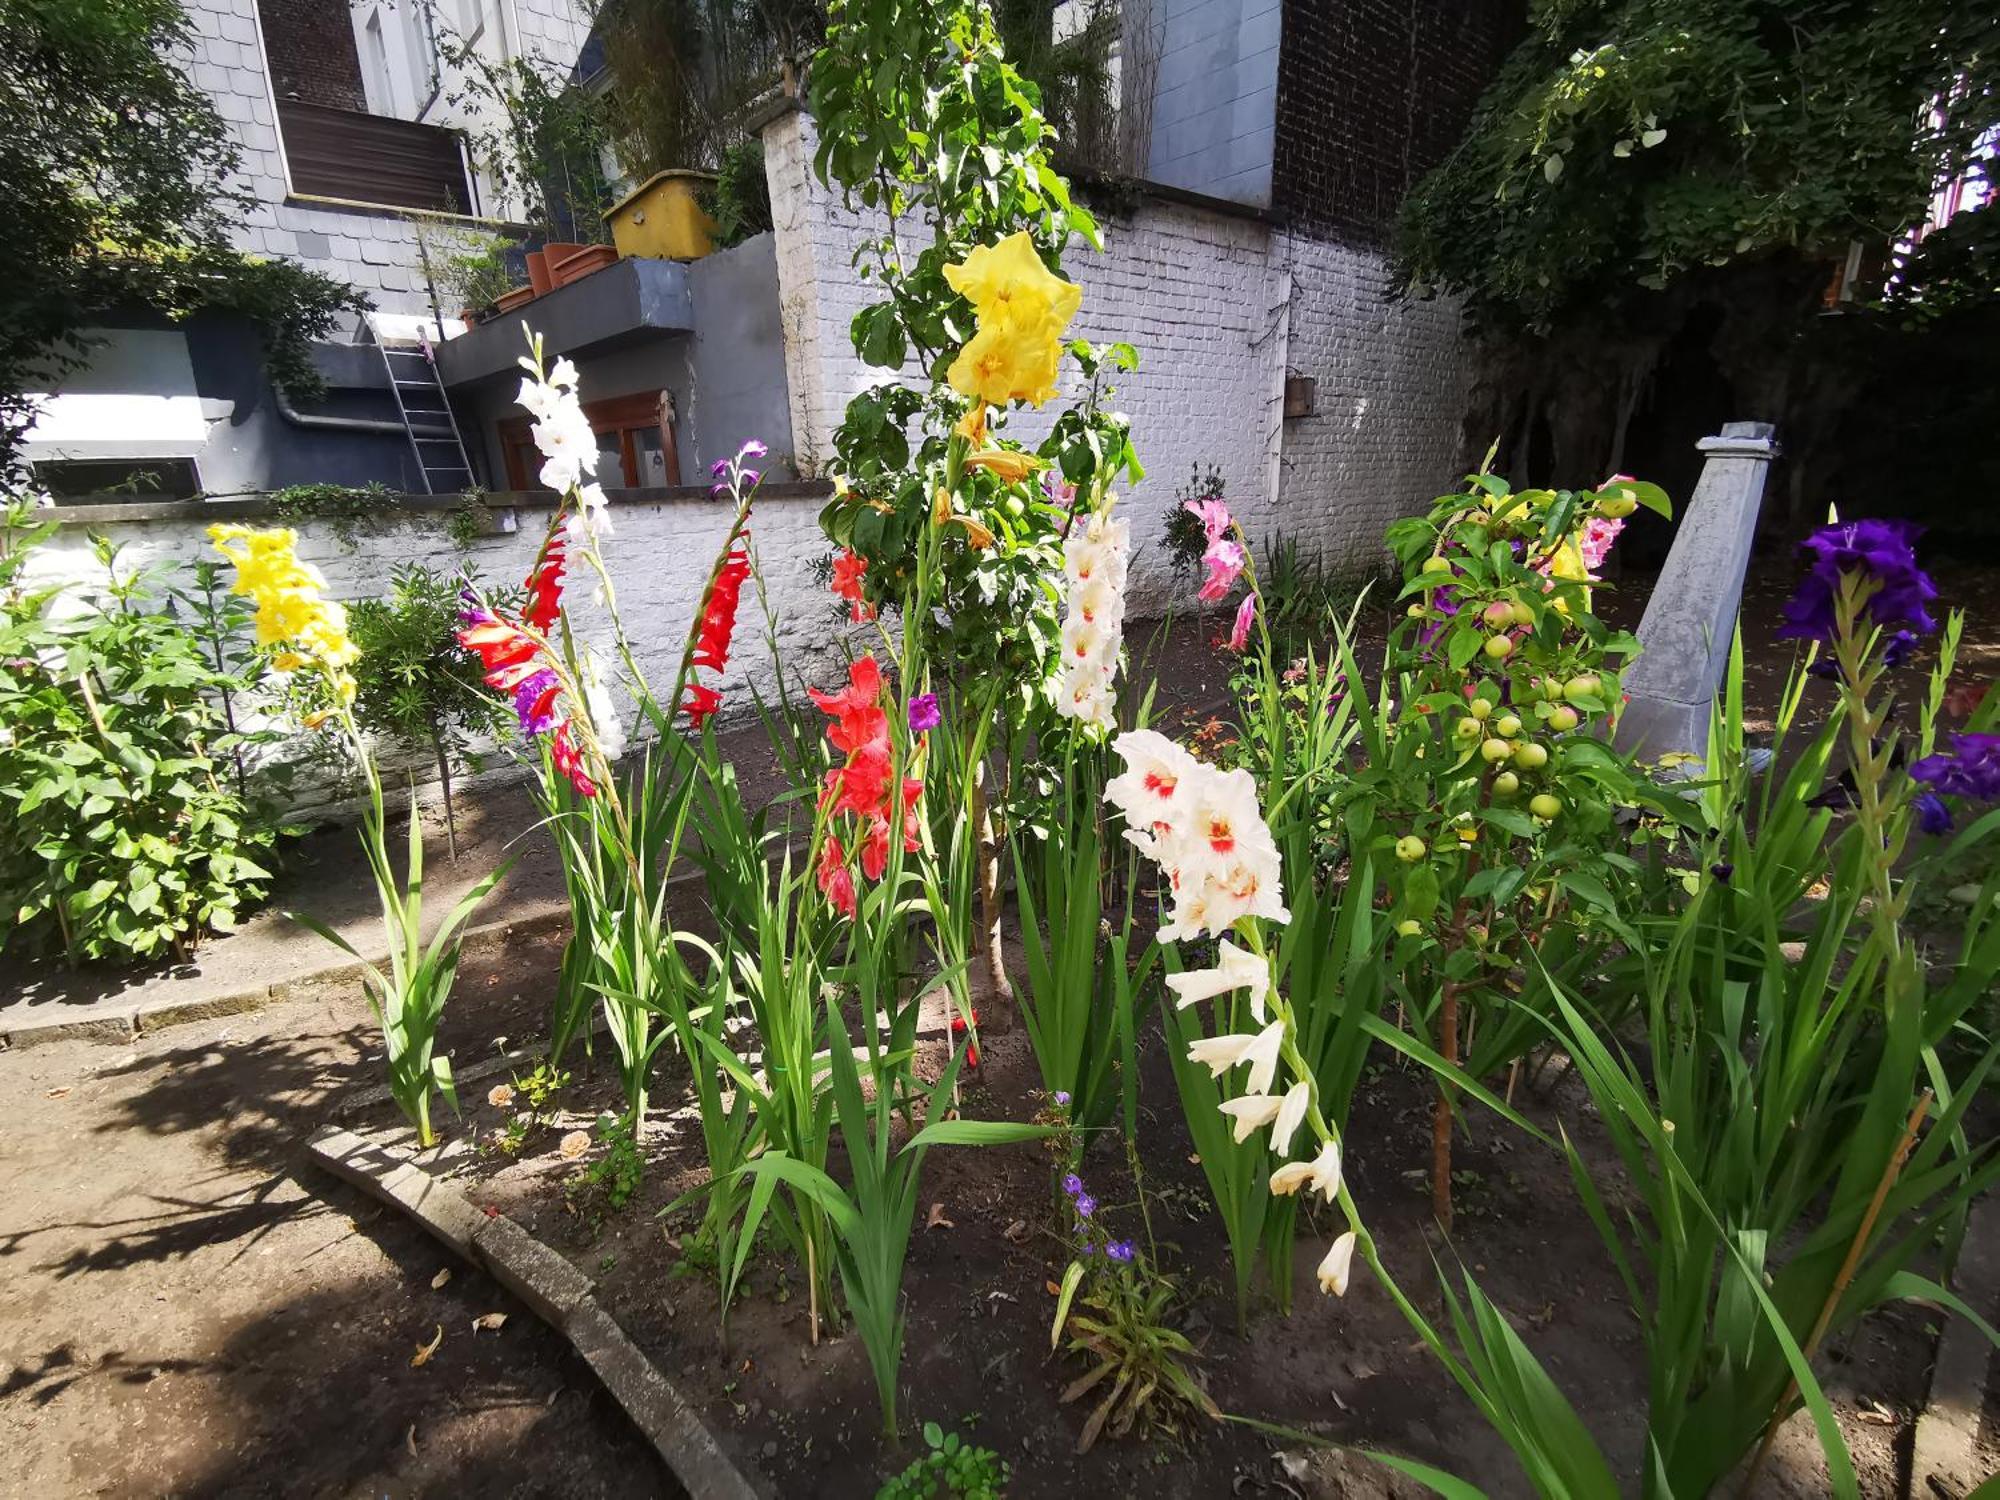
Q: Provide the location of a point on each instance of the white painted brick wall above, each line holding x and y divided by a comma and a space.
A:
1221, 307
376, 253
658, 559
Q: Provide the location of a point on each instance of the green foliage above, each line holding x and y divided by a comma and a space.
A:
115, 164
414, 682
952, 1470
1185, 537
466, 267
346, 508
740, 199
614, 1177
122, 837
921, 116
546, 147
1626, 143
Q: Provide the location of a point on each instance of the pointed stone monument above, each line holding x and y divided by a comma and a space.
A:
1691, 617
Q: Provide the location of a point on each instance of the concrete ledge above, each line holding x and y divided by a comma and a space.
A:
557, 1293
89, 511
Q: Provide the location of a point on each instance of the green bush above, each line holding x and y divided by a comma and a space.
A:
122, 836
951, 1468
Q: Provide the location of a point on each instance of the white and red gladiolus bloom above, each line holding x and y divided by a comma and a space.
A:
1205, 830
561, 431
1094, 567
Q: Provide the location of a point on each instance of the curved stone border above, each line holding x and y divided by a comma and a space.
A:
557, 1293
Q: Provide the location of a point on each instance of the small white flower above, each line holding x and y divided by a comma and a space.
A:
1237, 970
1221, 1053
1291, 1114
604, 720
1322, 1173
1333, 1271
1251, 1113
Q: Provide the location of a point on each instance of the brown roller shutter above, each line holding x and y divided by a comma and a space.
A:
342, 153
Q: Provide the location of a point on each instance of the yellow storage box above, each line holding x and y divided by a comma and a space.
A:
662, 219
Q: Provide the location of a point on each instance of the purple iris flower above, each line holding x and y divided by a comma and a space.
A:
924, 715
1883, 551
1072, 1184
1971, 769
531, 689
1120, 1251
1932, 815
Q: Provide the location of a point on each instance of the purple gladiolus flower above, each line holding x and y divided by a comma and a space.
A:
1062, 1098
1722, 870
1932, 815
924, 713
1085, 1205
719, 469
1882, 551
751, 479
528, 692
1971, 769
751, 449
1072, 1184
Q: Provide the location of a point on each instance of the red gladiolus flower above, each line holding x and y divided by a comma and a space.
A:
958, 1029
545, 583
569, 759
718, 622
835, 879
700, 703
848, 569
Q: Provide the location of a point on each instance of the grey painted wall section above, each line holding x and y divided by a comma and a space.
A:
738, 355
246, 442
726, 374
1215, 98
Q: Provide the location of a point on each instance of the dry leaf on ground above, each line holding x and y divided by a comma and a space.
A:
438, 1281
424, 1351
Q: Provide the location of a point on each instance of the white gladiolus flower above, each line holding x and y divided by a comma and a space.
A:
1237, 970
1322, 1173
604, 720
1093, 619
1221, 1053
1251, 1113
1291, 1114
1333, 1271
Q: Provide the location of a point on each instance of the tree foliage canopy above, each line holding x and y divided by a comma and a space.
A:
117, 170
1626, 143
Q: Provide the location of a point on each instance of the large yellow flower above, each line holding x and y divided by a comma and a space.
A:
1023, 309
292, 608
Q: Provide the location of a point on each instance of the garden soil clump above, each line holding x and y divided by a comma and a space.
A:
986, 1257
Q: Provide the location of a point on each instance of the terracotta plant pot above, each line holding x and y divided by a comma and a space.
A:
520, 296
585, 260
538, 272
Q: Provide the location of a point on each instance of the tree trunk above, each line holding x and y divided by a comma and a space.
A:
1441, 1111
444, 786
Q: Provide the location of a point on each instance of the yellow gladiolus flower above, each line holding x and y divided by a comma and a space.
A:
972, 426
975, 533
1022, 308
292, 608
1009, 464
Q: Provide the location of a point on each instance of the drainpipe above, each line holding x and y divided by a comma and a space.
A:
335, 424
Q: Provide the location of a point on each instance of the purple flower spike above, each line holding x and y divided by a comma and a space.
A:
1072, 1184
1121, 1251
1971, 769
535, 704
1062, 1098
1879, 550
924, 715
751, 479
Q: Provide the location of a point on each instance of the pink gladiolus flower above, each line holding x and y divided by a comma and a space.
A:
1224, 560
1239, 633
1599, 532
1213, 515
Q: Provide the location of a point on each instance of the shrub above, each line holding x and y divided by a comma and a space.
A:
122, 837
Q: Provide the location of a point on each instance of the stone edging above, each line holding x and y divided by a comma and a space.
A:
557, 1293
1944, 1454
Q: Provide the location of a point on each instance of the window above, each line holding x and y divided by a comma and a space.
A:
115, 481
635, 444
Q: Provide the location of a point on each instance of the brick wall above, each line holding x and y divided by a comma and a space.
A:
1222, 307
658, 560
1373, 93
310, 45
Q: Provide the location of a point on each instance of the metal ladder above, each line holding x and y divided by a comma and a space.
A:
426, 414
